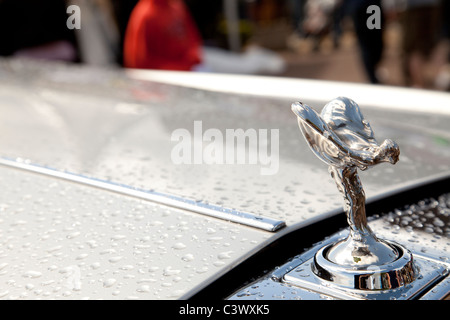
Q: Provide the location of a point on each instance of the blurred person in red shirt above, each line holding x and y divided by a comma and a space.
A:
161, 34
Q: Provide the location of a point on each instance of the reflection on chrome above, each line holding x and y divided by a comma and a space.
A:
343, 139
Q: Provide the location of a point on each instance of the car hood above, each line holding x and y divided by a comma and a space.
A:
118, 126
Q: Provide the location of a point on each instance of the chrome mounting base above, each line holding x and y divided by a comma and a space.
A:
398, 280
390, 275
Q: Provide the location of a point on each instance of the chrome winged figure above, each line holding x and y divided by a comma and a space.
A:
343, 139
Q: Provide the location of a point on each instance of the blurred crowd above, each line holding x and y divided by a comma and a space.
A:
217, 35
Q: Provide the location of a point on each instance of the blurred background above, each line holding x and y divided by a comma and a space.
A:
404, 43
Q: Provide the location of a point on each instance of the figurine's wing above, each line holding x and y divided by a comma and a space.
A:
340, 136
343, 116
323, 142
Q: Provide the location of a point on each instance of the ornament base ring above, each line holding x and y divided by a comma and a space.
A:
392, 275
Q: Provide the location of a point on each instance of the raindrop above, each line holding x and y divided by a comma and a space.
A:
109, 283
224, 255
127, 267
201, 270
118, 237
143, 289
32, 274
218, 263
29, 286
73, 235
115, 259
170, 272
95, 265
179, 246
188, 257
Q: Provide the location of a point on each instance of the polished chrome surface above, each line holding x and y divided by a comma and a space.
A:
362, 247
342, 138
173, 201
398, 273
374, 283
295, 280
439, 292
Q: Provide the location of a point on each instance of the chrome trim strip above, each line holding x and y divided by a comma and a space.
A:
441, 291
207, 209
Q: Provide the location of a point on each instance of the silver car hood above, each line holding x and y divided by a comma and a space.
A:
116, 126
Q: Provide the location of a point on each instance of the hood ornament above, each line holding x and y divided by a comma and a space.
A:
343, 139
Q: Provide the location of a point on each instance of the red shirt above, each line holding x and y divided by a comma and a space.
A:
161, 34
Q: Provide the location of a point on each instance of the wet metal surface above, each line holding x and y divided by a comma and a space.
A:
106, 125
63, 240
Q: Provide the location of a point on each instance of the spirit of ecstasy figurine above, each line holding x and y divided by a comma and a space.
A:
343, 139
